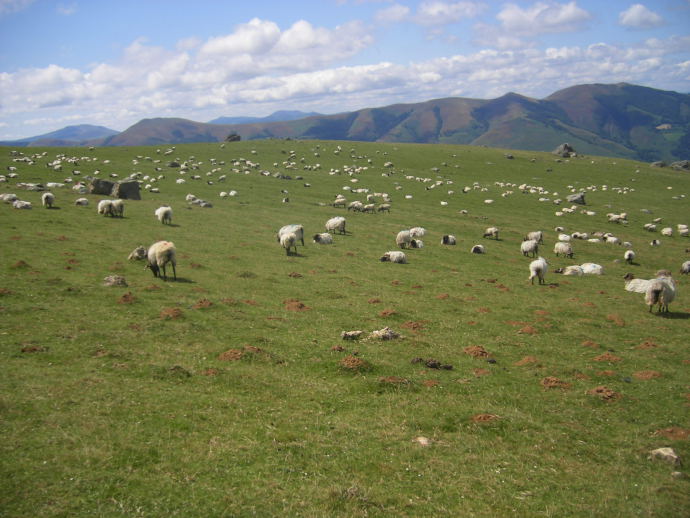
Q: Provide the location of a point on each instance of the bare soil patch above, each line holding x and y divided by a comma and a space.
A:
295, 305
72, 261
337, 348
127, 298
394, 380
581, 377
606, 374
527, 330
198, 290
416, 286
387, 313
31, 349
249, 302
674, 433
231, 355
412, 326
194, 266
153, 287
353, 363
202, 304
134, 327
5, 291
542, 313
441, 296
483, 418
395, 283
479, 372
228, 300
527, 360
483, 310
477, 351
21, 264
515, 323
470, 323
171, 314
646, 375
553, 382
430, 383
294, 275
591, 344
373, 301
61, 238
281, 319
607, 357
605, 393
647, 345
209, 372
588, 304
616, 320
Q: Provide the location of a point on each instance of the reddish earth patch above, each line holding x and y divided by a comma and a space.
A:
542, 313
66, 253
441, 296
101, 353
416, 286
479, 372
527, 360
349, 254
134, 327
72, 261
231, 355
332, 271
312, 271
30, 349
244, 244
470, 323
483, 310
580, 377
228, 300
606, 374
503, 289
468, 285
198, 290
395, 282
412, 326
61, 238
605, 393
249, 302
588, 304
675, 434
373, 301
202, 304
21, 264
276, 318
527, 330
483, 418
553, 287
183, 256
393, 380
607, 357
294, 275
491, 281
469, 298
685, 361
170, 314
337, 348
194, 266
553, 382
387, 313
153, 287
647, 345
591, 344
477, 351
5, 291
352, 363
253, 350
430, 383
40, 234
209, 372
646, 375
295, 305
127, 298
615, 319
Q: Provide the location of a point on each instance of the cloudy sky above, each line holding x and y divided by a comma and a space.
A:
113, 63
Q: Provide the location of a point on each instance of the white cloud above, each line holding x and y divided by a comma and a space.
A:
13, 6
393, 14
66, 10
443, 13
542, 18
639, 17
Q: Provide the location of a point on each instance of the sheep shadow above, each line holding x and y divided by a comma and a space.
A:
53, 208
674, 316
182, 280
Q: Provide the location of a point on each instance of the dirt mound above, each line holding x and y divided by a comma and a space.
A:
477, 351
153, 287
209, 372
527, 360
588, 304
281, 319
527, 330
395, 282
441, 296
580, 377
228, 300
675, 434
515, 323
483, 310
294, 275
479, 372
412, 326
646, 375
483, 418
127, 298
249, 302
553, 382
605, 393
21, 264
61, 238
416, 286
72, 261
470, 323
5, 291
352, 363
647, 345
203, 303
607, 357
387, 313
231, 355
337, 348
606, 374
170, 314
198, 290
31, 349
615, 319
295, 305
542, 313
393, 380
194, 266
373, 301
430, 383
591, 344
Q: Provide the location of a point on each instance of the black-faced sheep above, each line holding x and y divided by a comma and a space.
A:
477, 249
538, 269
629, 256
416, 243
448, 240
323, 239
384, 206
685, 269
393, 257
159, 255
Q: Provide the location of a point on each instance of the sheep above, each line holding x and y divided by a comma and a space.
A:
403, 238
491, 232
667, 232
536, 236
369, 208
635, 285
337, 223
164, 213
118, 208
529, 246
105, 207
685, 269
592, 269
394, 257
323, 239
571, 270
137, 254
339, 202
355, 206
384, 206
417, 232
538, 269
8, 197
629, 256
655, 242
81, 201
298, 230
159, 255
448, 240
416, 243
661, 291
477, 249
563, 248
18, 204
612, 239
564, 238
287, 241
48, 199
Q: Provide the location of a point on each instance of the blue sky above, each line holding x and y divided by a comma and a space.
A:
113, 63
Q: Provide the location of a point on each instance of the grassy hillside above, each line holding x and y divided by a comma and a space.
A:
230, 392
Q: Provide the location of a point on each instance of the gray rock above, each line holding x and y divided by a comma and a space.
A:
100, 186
683, 165
508, 156
577, 198
564, 150
660, 163
114, 280
126, 190
172, 164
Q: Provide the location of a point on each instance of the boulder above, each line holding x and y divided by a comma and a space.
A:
683, 165
172, 164
126, 191
564, 150
577, 198
666, 454
233, 137
660, 163
508, 156
100, 186
114, 280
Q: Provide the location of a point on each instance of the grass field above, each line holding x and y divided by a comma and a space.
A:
226, 393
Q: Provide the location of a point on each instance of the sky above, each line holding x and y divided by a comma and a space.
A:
114, 63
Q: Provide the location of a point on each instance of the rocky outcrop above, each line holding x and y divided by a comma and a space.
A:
683, 165
564, 151
660, 163
100, 186
126, 191
577, 198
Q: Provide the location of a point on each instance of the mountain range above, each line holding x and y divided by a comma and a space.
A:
617, 120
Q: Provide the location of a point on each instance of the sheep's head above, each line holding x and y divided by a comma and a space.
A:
385, 257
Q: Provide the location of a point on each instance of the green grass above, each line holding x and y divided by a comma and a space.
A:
114, 413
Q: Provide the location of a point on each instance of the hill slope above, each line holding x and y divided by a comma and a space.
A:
280, 115
67, 136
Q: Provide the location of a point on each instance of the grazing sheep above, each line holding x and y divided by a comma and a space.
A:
137, 254
118, 208
298, 230
661, 291
477, 249
393, 257
403, 238
48, 199
563, 248
355, 206
491, 232
384, 206
529, 246
370, 207
159, 255
685, 269
448, 240
629, 256
105, 207
287, 241
536, 236
667, 232
417, 232
164, 213
323, 239
635, 285
336, 224
538, 269
655, 242
340, 202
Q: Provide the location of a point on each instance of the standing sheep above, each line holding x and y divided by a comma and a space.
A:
536, 236
298, 230
48, 199
538, 269
491, 232
105, 207
629, 256
164, 213
529, 246
287, 241
563, 248
336, 224
159, 255
403, 238
118, 208
661, 291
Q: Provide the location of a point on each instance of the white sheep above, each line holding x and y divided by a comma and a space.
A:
138, 253
529, 246
48, 199
384, 206
164, 213
592, 269
8, 197
635, 285
118, 208
105, 207
564, 238
477, 249
571, 270
298, 230
355, 206
369, 207
81, 201
416, 243
394, 257
336, 224
563, 248
629, 256
661, 291
491, 232
668, 231
287, 241
159, 255
323, 239
538, 269
417, 232
655, 242
448, 240
403, 238
18, 204
685, 269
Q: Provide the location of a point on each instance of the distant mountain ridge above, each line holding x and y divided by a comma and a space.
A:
67, 136
280, 115
618, 120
